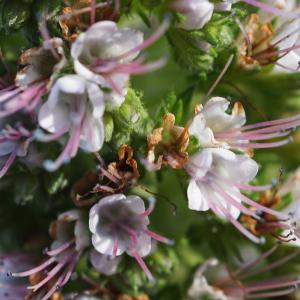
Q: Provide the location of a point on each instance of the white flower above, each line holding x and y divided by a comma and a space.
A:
214, 173
98, 53
217, 176
287, 40
69, 225
37, 67
74, 105
200, 288
213, 118
198, 12
16, 134
71, 237
215, 127
119, 224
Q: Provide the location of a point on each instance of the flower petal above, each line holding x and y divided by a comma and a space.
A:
195, 197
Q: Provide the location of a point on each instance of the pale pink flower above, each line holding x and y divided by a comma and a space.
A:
119, 224
107, 55
214, 127
71, 239
75, 106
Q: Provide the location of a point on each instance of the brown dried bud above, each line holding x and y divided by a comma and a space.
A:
168, 144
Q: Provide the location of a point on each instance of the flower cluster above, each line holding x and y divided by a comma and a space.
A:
84, 142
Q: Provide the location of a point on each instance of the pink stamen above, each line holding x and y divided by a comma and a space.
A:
93, 11
70, 268
140, 69
250, 135
220, 210
35, 270
9, 161
115, 249
5, 95
61, 248
158, 237
54, 288
275, 283
247, 187
139, 259
51, 274
148, 211
260, 207
270, 294
232, 201
152, 39
43, 137
272, 266
262, 145
252, 264
266, 124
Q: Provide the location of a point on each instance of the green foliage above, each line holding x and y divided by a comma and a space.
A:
171, 104
130, 119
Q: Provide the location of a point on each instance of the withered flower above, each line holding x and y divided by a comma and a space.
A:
269, 224
76, 16
256, 48
167, 145
117, 177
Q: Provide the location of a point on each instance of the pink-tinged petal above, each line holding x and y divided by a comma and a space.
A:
136, 204
142, 246
197, 12
200, 163
86, 73
6, 147
96, 98
204, 134
104, 264
105, 245
92, 133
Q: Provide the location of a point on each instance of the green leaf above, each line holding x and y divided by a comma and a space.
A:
108, 127
130, 119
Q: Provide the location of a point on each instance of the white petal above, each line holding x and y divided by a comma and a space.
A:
217, 118
71, 84
82, 235
121, 42
143, 245
200, 163
115, 99
104, 264
54, 119
7, 147
204, 134
136, 204
94, 211
88, 74
288, 63
96, 98
197, 13
195, 197
104, 244
71, 215
238, 168
92, 133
